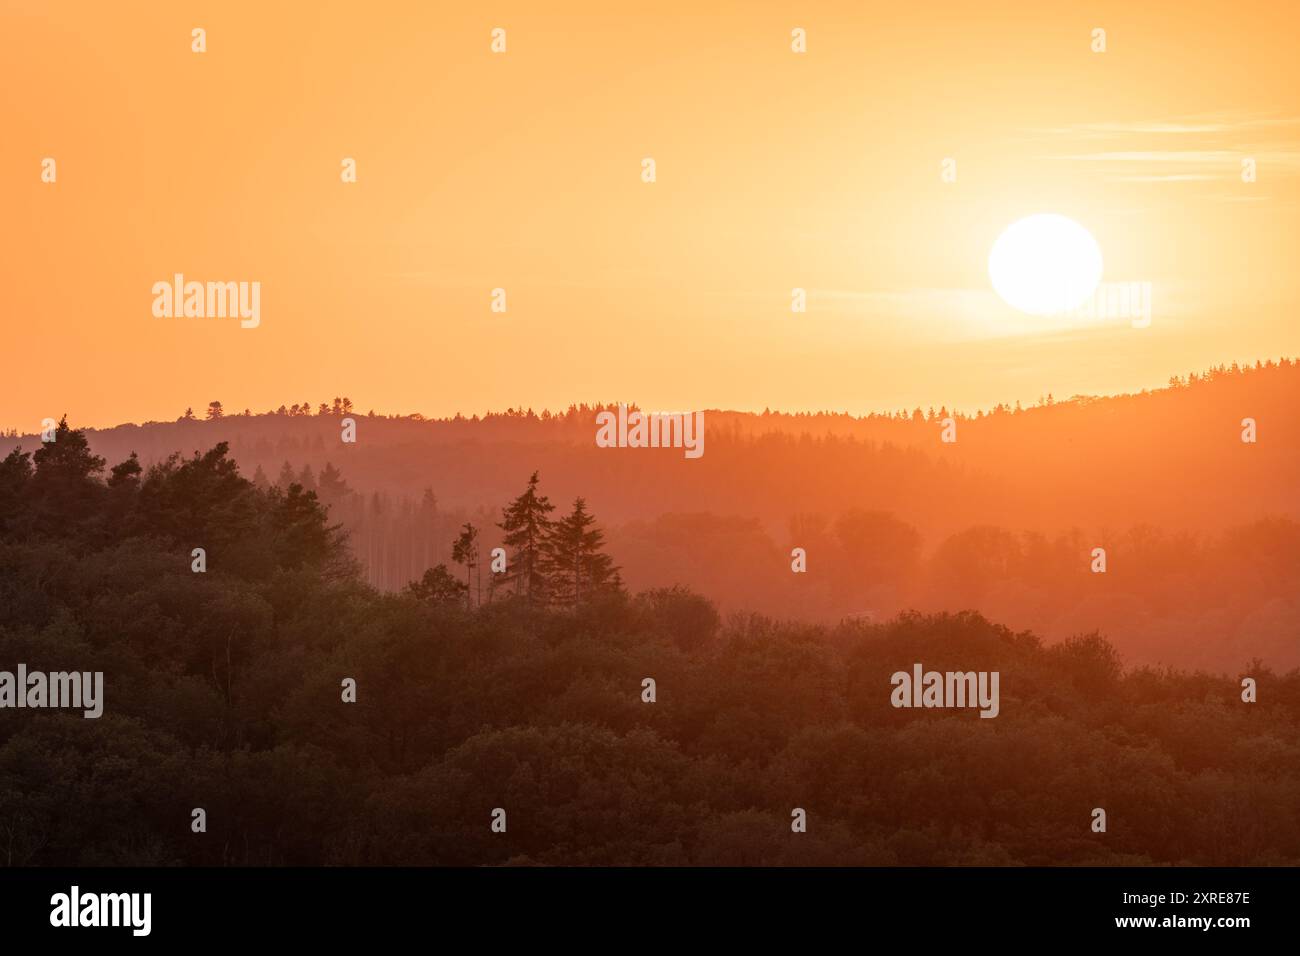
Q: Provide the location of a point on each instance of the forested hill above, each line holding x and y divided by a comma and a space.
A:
315, 720
1199, 526
1172, 457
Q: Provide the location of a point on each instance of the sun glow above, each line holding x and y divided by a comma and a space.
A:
1045, 264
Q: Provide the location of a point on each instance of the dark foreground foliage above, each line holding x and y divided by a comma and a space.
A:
223, 691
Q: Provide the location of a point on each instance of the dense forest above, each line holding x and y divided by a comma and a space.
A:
227, 690
1201, 529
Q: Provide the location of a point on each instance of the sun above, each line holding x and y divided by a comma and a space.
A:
1045, 264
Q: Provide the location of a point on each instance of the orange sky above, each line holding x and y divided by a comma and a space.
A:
522, 170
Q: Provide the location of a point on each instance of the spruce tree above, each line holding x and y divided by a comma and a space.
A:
306, 478
527, 530
464, 550
331, 487
577, 567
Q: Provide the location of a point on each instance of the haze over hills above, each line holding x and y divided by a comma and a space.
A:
1200, 527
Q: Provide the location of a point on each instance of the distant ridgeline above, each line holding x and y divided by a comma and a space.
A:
1189, 491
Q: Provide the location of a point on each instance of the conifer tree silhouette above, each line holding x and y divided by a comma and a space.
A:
528, 527
576, 566
464, 550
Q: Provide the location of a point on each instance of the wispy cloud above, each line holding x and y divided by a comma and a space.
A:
1163, 156
972, 314
1213, 123
1169, 178
1195, 149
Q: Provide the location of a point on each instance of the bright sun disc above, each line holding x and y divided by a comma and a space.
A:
1045, 264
